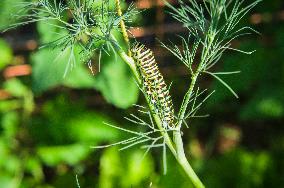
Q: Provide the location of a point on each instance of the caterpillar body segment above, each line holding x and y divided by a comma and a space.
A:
153, 83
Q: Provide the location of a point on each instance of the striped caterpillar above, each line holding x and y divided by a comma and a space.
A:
153, 83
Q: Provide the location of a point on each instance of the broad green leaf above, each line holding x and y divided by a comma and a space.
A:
4, 151
13, 164
271, 107
110, 168
90, 128
49, 69
116, 83
6, 53
33, 166
51, 65
250, 169
9, 122
43, 77
7, 181
16, 88
69, 154
64, 122
130, 167
139, 169
8, 105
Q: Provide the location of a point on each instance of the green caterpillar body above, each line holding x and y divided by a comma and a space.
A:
153, 82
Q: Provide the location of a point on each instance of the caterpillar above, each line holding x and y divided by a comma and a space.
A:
153, 83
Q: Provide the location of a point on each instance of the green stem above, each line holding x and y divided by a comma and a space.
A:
186, 100
175, 147
167, 138
123, 27
129, 61
132, 65
193, 82
177, 135
181, 158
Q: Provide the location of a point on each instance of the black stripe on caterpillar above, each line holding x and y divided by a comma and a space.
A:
153, 83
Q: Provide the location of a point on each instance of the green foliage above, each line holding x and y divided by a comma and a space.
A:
50, 68
91, 23
116, 83
113, 168
247, 169
265, 105
16, 88
266, 101
48, 73
45, 140
5, 54
75, 126
68, 154
90, 128
213, 35
6, 9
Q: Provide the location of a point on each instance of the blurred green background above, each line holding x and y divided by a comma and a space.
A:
48, 123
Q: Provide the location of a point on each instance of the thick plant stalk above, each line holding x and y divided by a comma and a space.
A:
182, 160
176, 145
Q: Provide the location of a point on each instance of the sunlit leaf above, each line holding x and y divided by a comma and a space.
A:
69, 154
34, 166
116, 83
114, 80
16, 88
90, 128
139, 169
9, 122
110, 168
8, 105
6, 53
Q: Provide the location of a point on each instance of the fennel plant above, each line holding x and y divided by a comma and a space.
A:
91, 26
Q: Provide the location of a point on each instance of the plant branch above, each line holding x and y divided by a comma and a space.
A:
186, 100
177, 134
123, 27
181, 158
176, 147
130, 62
193, 81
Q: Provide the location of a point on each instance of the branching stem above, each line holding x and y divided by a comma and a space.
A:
175, 147
186, 100
193, 82
130, 62
177, 134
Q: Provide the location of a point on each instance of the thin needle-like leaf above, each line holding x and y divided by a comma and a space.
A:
224, 83
226, 73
